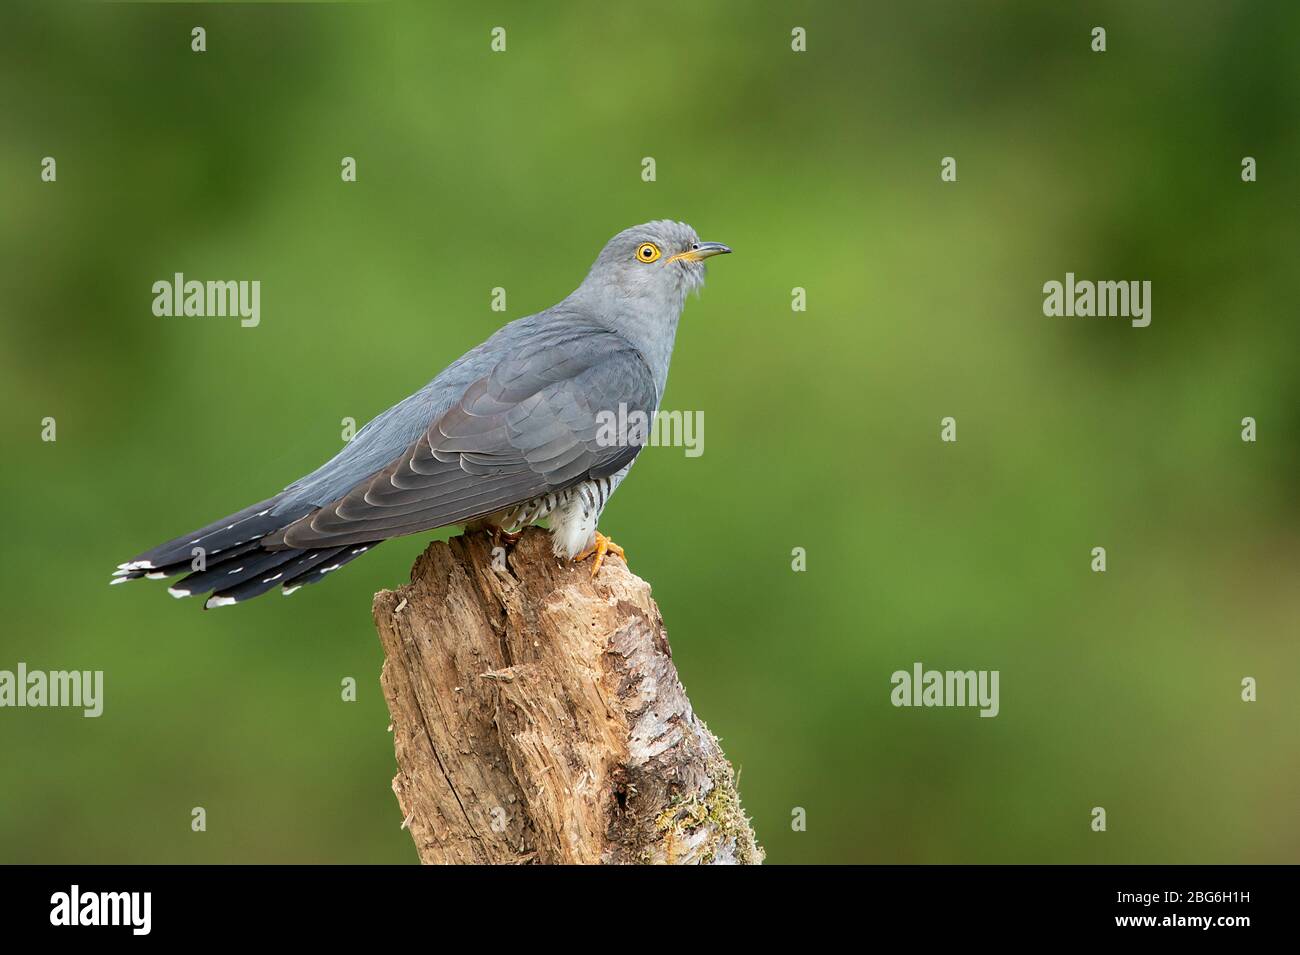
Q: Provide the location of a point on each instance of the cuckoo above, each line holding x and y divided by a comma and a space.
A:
508, 435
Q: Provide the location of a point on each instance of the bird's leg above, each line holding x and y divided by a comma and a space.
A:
500, 535
504, 535
600, 548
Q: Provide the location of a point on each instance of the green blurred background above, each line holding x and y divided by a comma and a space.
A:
821, 169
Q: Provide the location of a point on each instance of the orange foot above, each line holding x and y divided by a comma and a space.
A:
602, 547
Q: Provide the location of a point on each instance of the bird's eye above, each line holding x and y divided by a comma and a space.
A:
647, 252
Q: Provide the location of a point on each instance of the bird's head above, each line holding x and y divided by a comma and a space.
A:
656, 262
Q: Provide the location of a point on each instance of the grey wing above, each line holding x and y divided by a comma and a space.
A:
535, 424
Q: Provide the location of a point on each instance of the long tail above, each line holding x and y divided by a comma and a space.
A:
229, 560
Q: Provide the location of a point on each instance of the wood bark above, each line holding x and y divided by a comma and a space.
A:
538, 716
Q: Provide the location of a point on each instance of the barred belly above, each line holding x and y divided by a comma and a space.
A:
571, 513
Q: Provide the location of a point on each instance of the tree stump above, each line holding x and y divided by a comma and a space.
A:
538, 716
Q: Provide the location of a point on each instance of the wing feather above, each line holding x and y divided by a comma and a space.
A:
529, 427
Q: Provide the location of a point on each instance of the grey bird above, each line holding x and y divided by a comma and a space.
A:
516, 431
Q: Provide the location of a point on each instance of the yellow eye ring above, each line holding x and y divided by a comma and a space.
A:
647, 252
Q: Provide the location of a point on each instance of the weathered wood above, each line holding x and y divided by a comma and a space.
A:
538, 717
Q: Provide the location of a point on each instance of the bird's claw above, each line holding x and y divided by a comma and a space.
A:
602, 547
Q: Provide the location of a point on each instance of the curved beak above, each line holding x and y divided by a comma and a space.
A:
700, 252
